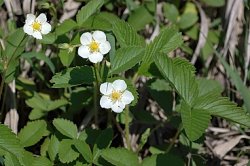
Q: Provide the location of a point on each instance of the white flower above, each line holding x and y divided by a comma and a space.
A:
94, 46
115, 95
36, 27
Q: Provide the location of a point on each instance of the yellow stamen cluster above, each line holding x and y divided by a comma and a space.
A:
36, 26
94, 46
116, 95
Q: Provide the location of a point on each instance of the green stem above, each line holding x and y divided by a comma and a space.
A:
189, 156
2, 85
3, 102
96, 92
127, 127
134, 79
1, 91
96, 103
6, 65
8, 61
109, 120
175, 138
97, 74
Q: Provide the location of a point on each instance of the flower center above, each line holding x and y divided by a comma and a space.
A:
94, 46
116, 95
36, 26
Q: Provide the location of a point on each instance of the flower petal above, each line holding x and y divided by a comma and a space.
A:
46, 28
106, 88
95, 57
83, 51
37, 35
99, 36
42, 18
119, 85
86, 38
28, 29
127, 97
118, 107
106, 102
104, 47
30, 19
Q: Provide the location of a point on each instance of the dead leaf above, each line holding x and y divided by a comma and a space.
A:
222, 149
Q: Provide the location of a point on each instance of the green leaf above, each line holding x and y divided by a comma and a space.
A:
1, 2
28, 158
162, 159
65, 27
84, 149
9, 142
144, 138
140, 17
40, 56
48, 39
89, 9
66, 152
41, 161
189, 16
53, 147
222, 107
66, 127
170, 12
126, 35
52, 105
162, 93
195, 121
168, 40
11, 160
103, 141
187, 20
39, 103
236, 80
44, 147
193, 33
11, 72
120, 156
214, 3
15, 46
206, 86
25, 86
32, 133
160, 85
112, 52
126, 58
102, 21
36, 114
66, 57
79, 98
180, 73
72, 77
